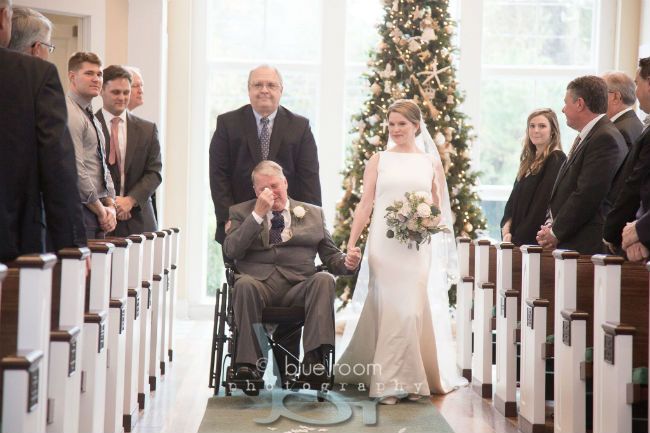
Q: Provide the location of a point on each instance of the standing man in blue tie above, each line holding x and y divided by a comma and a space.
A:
95, 183
261, 130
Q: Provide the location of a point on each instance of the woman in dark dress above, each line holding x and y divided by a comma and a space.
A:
541, 159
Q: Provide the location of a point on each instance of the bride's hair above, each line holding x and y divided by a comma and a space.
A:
408, 109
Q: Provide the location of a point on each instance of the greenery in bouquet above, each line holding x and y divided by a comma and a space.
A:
414, 220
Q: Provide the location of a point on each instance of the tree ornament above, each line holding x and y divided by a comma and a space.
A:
428, 32
439, 139
414, 46
424, 55
375, 88
387, 73
469, 227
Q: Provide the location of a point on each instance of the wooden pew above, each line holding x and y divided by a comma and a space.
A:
482, 323
67, 320
145, 318
95, 333
166, 301
130, 408
620, 339
173, 281
464, 299
24, 343
534, 309
116, 334
506, 331
157, 312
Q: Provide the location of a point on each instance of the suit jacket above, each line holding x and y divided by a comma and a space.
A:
627, 185
643, 222
247, 242
38, 173
579, 198
142, 166
235, 150
630, 127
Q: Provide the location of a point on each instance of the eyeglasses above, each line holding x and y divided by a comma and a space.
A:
50, 47
271, 86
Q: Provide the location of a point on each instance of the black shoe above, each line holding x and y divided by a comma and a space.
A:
313, 368
247, 372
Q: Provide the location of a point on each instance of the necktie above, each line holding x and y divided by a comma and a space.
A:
265, 137
115, 156
576, 144
277, 226
100, 151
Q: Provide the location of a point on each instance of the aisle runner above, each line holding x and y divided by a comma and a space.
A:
343, 412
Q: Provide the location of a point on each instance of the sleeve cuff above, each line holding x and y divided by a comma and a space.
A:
258, 218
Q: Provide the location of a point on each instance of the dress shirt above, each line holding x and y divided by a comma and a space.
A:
286, 233
258, 116
121, 136
94, 183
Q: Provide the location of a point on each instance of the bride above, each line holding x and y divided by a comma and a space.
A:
400, 344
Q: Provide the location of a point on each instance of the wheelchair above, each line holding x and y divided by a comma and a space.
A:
224, 338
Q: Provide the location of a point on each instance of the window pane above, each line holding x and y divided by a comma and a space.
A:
493, 212
505, 105
539, 32
264, 29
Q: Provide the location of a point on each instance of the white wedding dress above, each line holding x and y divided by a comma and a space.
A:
397, 339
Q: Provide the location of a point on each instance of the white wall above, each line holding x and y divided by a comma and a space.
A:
644, 39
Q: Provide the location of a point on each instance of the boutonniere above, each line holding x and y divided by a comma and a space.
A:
299, 212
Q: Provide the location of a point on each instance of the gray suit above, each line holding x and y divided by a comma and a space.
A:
142, 166
283, 274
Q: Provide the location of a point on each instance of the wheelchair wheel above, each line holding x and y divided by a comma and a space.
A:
213, 381
219, 336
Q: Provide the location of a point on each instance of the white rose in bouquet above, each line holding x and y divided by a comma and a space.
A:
424, 210
412, 225
405, 210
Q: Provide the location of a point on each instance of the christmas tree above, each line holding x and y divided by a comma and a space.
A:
414, 60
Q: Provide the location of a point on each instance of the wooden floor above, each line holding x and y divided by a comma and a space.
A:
179, 403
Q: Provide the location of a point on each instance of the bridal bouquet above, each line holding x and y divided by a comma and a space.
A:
414, 219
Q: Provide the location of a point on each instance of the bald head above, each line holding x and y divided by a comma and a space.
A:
6, 13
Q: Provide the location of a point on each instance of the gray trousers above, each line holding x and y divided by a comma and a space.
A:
250, 296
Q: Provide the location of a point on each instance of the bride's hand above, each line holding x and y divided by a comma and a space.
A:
353, 258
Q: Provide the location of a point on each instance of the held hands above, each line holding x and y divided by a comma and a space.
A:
630, 235
123, 205
507, 237
264, 202
545, 238
353, 258
107, 220
637, 252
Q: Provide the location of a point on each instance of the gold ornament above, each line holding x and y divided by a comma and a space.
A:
468, 227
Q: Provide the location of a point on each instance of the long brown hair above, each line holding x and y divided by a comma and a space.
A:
530, 161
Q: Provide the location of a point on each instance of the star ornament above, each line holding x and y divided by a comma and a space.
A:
434, 73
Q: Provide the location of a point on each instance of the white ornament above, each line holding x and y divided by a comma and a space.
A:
373, 119
439, 139
388, 87
387, 73
428, 35
414, 46
375, 89
374, 140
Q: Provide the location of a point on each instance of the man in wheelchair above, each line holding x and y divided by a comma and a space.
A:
273, 241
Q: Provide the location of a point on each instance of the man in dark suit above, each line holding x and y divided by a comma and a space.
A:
632, 174
628, 225
274, 241
255, 132
578, 202
620, 106
38, 175
132, 155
